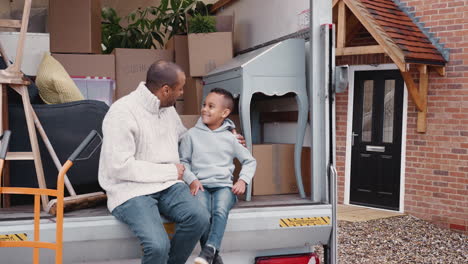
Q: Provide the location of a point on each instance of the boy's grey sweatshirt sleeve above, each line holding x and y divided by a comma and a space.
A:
185, 154
249, 164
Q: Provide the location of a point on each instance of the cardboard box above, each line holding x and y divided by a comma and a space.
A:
75, 26
131, 66
193, 96
83, 65
181, 52
275, 169
210, 50
193, 91
179, 106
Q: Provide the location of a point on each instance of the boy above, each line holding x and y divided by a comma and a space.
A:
207, 152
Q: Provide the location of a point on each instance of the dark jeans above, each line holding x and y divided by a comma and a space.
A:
142, 215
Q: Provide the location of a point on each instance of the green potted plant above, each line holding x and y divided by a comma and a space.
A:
142, 31
173, 14
209, 42
134, 46
202, 24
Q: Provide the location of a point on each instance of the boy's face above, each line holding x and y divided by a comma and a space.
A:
214, 110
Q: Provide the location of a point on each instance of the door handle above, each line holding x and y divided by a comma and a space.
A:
352, 138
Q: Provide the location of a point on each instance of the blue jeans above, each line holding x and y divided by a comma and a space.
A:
219, 201
142, 215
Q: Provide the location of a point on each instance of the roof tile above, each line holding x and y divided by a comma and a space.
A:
404, 32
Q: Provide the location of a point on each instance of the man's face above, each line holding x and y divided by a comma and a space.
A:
172, 93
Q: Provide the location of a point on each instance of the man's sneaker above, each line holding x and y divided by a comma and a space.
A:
217, 258
206, 255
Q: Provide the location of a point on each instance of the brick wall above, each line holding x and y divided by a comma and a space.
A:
437, 161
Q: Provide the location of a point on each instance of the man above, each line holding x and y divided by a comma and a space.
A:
141, 172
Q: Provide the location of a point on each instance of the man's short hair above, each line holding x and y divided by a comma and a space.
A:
228, 97
162, 73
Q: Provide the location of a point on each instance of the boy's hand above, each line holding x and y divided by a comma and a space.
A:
195, 186
180, 171
239, 137
239, 187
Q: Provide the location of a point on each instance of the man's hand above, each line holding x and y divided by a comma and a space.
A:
239, 187
195, 186
180, 171
239, 137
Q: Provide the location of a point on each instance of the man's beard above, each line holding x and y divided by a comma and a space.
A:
169, 103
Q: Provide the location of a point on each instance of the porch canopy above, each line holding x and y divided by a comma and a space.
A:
381, 26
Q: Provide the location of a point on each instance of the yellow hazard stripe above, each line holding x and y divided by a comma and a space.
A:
304, 221
14, 237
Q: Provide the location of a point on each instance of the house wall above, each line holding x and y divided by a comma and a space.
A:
436, 184
437, 161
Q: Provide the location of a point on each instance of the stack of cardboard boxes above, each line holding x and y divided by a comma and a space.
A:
198, 54
75, 41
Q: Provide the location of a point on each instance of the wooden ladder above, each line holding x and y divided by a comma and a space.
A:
13, 77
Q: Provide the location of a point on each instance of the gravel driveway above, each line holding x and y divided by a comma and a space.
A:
401, 239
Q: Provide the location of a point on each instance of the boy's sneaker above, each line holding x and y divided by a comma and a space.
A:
206, 256
217, 258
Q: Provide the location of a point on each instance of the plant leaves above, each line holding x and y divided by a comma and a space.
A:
158, 38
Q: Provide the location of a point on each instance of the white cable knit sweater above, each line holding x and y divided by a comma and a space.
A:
140, 147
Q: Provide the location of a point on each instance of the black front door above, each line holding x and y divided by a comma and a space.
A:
376, 139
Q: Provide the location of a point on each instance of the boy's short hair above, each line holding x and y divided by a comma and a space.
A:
227, 96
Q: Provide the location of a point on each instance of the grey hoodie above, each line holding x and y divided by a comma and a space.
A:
208, 155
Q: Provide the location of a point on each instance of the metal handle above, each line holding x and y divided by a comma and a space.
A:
5, 138
375, 148
83, 145
352, 138
333, 199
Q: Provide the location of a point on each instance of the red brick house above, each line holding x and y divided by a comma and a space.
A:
402, 126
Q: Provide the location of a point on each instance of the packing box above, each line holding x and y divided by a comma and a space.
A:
180, 46
83, 65
193, 91
209, 50
275, 169
131, 66
193, 96
75, 26
179, 106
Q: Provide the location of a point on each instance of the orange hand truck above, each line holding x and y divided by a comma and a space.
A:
37, 192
